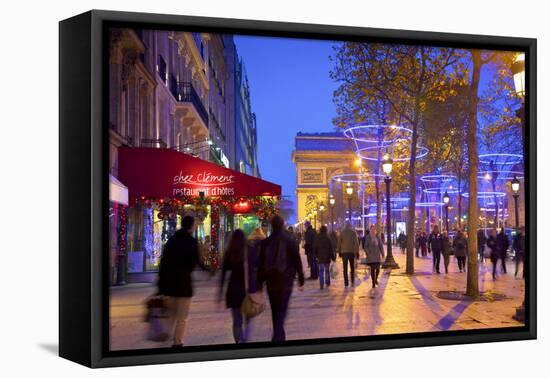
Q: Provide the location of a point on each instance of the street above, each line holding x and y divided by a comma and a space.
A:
401, 304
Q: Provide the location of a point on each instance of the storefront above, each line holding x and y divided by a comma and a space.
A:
165, 185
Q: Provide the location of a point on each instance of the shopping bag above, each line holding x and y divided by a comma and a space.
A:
333, 270
253, 304
157, 317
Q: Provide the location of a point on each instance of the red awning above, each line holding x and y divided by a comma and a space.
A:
160, 173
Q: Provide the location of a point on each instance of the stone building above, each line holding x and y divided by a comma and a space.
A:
318, 157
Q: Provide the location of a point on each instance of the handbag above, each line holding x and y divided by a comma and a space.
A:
253, 303
157, 315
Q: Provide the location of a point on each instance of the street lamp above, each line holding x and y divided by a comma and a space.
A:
321, 210
387, 165
515, 193
518, 70
349, 192
446, 200
331, 202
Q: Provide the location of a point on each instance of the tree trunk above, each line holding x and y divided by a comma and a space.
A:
379, 225
472, 282
459, 199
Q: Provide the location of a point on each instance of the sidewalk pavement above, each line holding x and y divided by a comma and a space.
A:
401, 304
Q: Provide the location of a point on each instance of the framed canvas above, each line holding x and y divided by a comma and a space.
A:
235, 188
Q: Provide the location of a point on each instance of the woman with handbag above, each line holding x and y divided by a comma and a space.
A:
374, 250
241, 256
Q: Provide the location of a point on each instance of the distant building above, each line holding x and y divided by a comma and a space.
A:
318, 157
245, 146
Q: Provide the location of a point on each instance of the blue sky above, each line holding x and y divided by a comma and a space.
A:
291, 91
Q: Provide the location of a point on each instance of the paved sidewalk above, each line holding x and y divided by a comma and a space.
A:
401, 304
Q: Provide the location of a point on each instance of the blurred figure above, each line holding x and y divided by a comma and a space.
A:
334, 239
503, 243
435, 246
492, 245
447, 250
308, 247
374, 249
423, 244
481, 240
519, 247
402, 241
460, 247
234, 261
294, 235
179, 257
324, 253
417, 243
279, 263
348, 248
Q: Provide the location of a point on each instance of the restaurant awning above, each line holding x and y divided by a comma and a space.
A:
118, 192
160, 173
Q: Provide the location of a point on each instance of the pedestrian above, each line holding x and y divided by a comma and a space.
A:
324, 253
460, 247
494, 256
435, 246
481, 240
291, 232
423, 244
348, 249
308, 247
374, 249
280, 262
417, 243
179, 257
503, 243
334, 239
234, 261
447, 250
519, 248
402, 240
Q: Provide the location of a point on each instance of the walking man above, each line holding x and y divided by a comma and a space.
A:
519, 247
280, 262
481, 240
324, 253
308, 247
435, 245
179, 258
348, 249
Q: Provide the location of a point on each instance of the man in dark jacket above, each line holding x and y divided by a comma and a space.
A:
179, 257
435, 245
308, 247
279, 263
502, 247
519, 247
324, 253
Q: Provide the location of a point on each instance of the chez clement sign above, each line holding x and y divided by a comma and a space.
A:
160, 173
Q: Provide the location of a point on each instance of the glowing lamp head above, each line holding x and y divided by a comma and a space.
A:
349, 189
518, 70
387, 164
358, 162
487, 176
446, 199
322, 207
515, 185
331, 200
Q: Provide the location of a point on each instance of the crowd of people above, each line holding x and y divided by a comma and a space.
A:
257, 260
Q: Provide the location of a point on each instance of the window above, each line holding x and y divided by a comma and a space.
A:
161, 69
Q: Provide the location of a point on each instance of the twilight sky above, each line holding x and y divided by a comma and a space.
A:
290, 91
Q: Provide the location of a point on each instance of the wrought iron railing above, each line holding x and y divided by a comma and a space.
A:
184, 92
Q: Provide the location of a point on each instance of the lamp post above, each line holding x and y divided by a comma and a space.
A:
387, 165
515, 193
359, 164
331, 202
315, 219
446, 202
321, 210
349, 192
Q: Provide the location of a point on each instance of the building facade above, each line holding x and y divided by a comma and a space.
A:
178, 91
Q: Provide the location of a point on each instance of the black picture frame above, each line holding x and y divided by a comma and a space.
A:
83, 196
